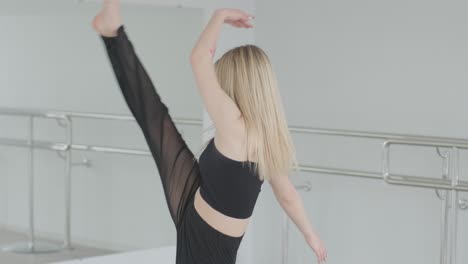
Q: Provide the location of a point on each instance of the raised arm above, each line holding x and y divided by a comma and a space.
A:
289, 199
222, 110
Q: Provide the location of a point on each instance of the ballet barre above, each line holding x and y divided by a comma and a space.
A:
450, 182
33, 246
64, 119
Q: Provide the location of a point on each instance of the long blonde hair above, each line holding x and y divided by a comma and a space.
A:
246, 75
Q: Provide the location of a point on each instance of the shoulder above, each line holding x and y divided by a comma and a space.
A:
233, 133
233, 141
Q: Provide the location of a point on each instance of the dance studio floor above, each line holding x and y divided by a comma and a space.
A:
9, 237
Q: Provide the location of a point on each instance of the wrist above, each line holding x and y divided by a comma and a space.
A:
219, 14
309, 235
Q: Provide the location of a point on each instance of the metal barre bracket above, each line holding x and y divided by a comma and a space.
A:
450, 182
84, 162
34, 246
417, 181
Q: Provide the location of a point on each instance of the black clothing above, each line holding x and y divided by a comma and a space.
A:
197, 241
228, 185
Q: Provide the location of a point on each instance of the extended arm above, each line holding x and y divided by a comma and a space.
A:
289, 199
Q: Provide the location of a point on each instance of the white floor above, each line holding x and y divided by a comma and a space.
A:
164, 255
78, 252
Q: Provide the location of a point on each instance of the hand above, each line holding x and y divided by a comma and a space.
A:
235, 17
317, 246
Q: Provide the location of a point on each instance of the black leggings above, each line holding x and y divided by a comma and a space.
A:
197, 241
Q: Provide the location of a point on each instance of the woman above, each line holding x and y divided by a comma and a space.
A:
211, 200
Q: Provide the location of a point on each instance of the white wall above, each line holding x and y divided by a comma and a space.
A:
390, 66
101, 194
52, 59
378, 66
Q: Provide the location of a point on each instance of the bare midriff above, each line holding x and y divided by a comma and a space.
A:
227, 225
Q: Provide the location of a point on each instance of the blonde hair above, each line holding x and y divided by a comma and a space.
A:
246, 75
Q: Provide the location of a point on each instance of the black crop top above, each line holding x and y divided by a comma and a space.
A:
228, 185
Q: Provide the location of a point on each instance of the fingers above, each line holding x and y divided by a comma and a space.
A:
241, 23
321, 255
237, 23
244, 15
238, 18
247, 23
247, 20
249, 16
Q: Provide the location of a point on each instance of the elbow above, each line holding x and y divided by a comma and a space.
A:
193, 58
287, 198
197, 56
